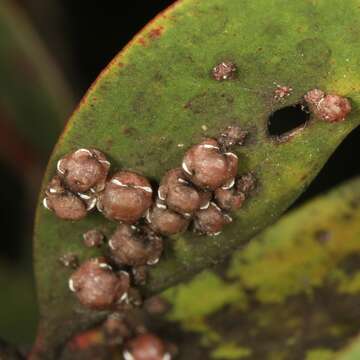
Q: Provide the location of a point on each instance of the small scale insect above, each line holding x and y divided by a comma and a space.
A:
229, 199
69, 260
231, 136
179, 195
126, 197
211, 221
116, 329
84, 170
135, 246
93, 238
63, 203
207, 167
146, 347
281, 92
328, 107
166, 222
246, 183
156, 305
140, 273
98, 287
226, 70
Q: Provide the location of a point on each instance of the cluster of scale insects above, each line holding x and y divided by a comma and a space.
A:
200, 194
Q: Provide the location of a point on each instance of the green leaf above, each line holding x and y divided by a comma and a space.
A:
34, 98
351, 352
292, 293
18, 309
158, 94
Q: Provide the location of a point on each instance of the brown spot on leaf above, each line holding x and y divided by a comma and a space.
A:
322, 236
142, 41
210, 103
156, 32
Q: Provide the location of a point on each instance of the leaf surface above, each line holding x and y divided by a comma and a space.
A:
157, 98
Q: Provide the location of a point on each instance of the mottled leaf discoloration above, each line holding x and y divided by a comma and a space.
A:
292, 294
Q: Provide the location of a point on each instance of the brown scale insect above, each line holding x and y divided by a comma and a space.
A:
84, 170
98, 287
166, 222
63, 203
69, 260
211, 221
116, 329
93, 238
328, 107
246, 183
156, 305
207, 167
140, 274
233, 198
233, 135
127, 197
226, 70
281, 92
146, 347
229, 199
179, 195
135, 246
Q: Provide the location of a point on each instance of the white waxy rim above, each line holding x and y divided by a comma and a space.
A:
183, 181
206, 206
99, 207
133, 227
127, 355
320, 101
166, 356
84, 196
111, 245
216, 234
185, 168
124, 273
187, 215
124, 297
161, 206
209, 146
160, 196
52, 191
91, 204
230, 185
228, 217
105, 266
153, 262
71, 285
107, 163
231, 154
215, 205
145, 188
58, 167
118, 183
147, 216
84, 150
45, 204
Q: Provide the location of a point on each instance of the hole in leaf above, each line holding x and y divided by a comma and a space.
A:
287, 119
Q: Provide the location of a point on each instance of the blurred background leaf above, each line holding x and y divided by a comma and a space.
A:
35, 102
292, 294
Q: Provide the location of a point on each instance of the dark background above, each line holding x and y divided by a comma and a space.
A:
83, 37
